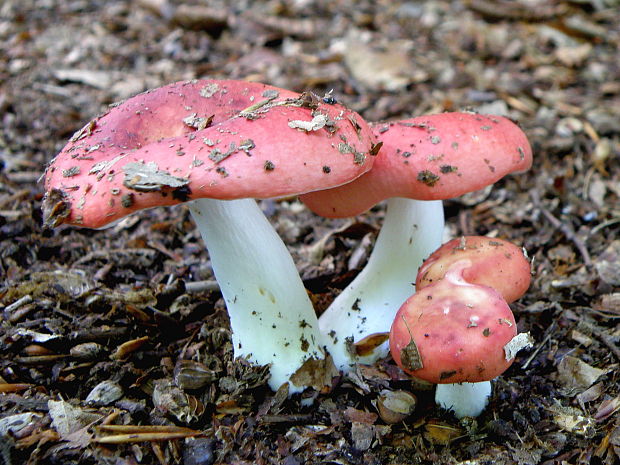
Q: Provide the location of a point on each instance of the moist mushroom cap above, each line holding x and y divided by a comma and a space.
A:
453, 332
495, 262
433, 157
203, 138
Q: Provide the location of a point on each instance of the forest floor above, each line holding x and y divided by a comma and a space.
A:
80, 307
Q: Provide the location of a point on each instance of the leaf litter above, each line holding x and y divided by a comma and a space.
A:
82, 307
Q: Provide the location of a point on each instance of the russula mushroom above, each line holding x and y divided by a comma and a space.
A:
209, 142
458, 331
422, 161
494, 262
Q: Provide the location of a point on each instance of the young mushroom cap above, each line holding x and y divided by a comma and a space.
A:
457, 334
432, 157
494, 262
203, 138
453, 331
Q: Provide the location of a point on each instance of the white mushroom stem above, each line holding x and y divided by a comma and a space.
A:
464, 399
412, 229
272, 318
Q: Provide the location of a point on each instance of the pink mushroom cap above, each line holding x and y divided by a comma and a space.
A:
432, 157
494, 262
453, 331
203, 138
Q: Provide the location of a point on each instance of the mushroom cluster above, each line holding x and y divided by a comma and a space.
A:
422, 161
457, 330
218, 145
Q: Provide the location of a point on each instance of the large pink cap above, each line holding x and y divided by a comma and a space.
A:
431, 157
453, 331
203, 138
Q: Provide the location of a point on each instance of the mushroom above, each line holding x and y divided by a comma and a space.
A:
494, 262
218, 145
457, 330
422, 160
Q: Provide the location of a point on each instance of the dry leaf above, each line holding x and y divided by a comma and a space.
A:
441, 433
572, 420
125, 349
575, 374
607, 408
359, 416
72, 423
104, 393
14, 423
388, 67
368, 344
170, 399
315, 373
608, 264
362, 435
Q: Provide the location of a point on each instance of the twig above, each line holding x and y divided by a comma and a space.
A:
290, 418
566, 229
191, 338
106, 254
540, 346
120, 434
8, 199
14, 387
39, 359
195, 287
18, 303
604, 338
603, 225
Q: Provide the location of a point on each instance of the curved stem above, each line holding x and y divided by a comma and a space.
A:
464, 399
272, 318
412, 229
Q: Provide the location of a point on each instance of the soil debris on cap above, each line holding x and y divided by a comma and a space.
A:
146, 177
318, 122
428, 177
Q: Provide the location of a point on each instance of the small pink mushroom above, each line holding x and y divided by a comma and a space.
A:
457, 332
494, 262
422, 160
209, 142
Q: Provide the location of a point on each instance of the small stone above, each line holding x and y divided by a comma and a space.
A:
198, 451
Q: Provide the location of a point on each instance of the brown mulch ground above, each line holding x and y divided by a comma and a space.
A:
80, 307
